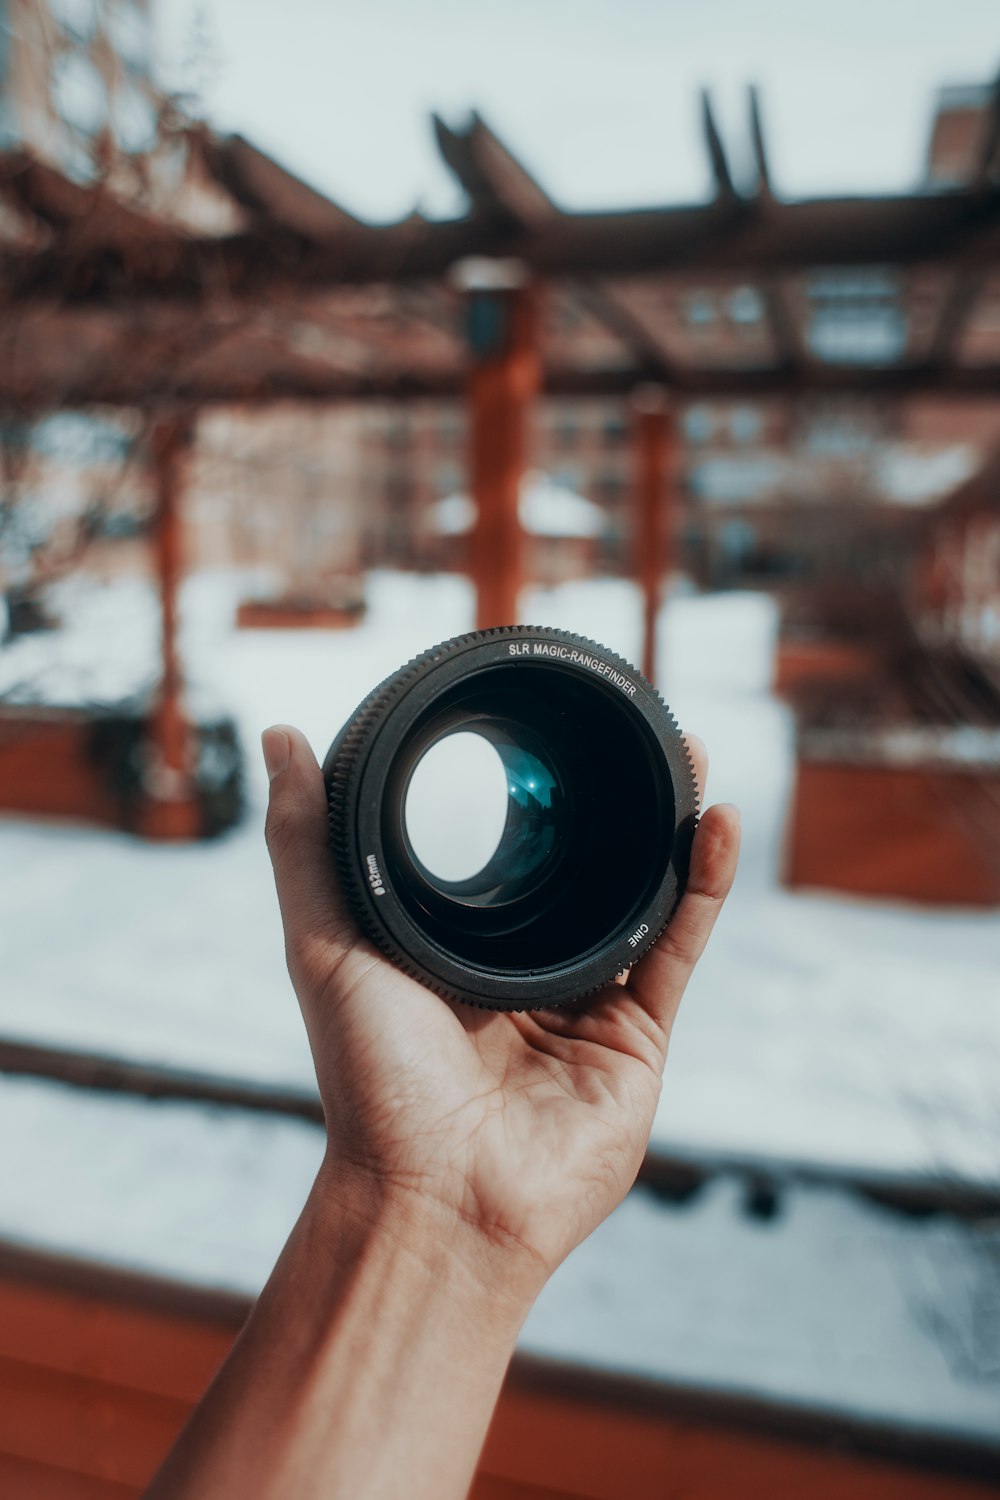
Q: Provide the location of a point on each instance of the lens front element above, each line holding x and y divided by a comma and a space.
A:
455, 808
512, 824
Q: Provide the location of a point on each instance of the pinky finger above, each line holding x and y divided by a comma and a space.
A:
658, 982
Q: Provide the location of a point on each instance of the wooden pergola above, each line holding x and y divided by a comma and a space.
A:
108, 304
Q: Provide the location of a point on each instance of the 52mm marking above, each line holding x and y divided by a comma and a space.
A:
375, 876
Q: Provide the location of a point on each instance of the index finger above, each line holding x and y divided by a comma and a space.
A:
312, 909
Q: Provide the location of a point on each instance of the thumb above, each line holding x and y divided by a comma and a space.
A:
312, 911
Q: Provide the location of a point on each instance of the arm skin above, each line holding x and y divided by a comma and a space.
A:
468, 1152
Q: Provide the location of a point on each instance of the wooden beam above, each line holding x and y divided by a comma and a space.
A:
172, 810
313, 383
757, 144
502, 387
499, 185
764, 238
956, 309
718, 161
785, 330
786, 335
87, 220
989, 140
269, 190
652, 435
651, 359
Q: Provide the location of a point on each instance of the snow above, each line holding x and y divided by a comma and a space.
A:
453, 515
907, 474
108, 656
456, 806
552, 509
199, 1194
962, 746
546, 508
915, 474
850, 1033
835, 1305
904, 1311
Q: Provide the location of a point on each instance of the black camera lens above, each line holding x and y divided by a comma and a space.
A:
511, 815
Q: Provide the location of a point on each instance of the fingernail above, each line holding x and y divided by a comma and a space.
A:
277, 748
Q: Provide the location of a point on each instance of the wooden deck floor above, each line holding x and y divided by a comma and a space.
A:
98, 1371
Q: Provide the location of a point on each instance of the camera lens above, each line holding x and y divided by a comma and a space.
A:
511, 815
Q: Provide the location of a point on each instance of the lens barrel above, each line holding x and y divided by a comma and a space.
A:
595, 842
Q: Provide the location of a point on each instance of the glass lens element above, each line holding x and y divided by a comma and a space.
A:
456, 806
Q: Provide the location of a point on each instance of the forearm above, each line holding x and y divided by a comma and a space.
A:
369, 1367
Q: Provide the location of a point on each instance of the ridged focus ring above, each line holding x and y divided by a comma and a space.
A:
595, 844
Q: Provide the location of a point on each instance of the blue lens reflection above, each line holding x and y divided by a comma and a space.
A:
528, 780
531, 831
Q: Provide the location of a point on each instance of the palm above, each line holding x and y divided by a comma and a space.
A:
532, 1123
530, 1126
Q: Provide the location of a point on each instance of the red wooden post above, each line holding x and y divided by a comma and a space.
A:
503, 336
653, 432
171, 811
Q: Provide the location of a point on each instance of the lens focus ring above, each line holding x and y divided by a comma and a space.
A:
596, 831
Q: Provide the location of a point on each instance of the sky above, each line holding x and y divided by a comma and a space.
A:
599, 98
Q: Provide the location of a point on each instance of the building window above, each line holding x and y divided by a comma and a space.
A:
699, 309
568, 478
615, 430
833, 433
450, 434
397, 493
570, 316
567, 431
856, 317
448, 480
745, 306
698, 424
738, 540
744, 424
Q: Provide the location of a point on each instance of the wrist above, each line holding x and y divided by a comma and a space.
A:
357, 1214
376, 1350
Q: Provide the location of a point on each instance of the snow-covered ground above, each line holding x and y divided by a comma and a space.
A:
834, 1305
847, 1032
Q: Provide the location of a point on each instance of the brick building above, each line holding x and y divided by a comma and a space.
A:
961, 119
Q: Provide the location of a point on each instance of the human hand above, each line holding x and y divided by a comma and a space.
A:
468, 1152
516, 1133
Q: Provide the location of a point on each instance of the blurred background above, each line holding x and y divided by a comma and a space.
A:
328, 332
